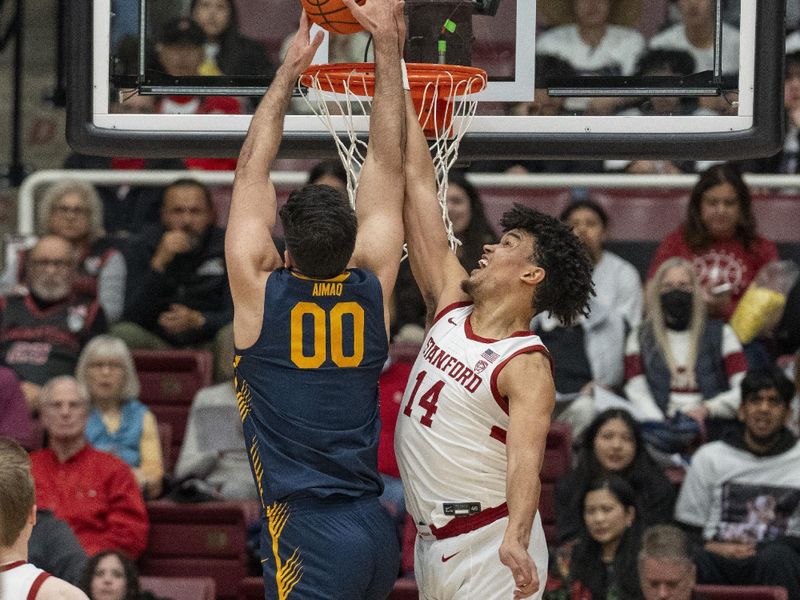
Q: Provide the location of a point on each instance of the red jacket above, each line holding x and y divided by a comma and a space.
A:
391, 384
725, 261
97, 495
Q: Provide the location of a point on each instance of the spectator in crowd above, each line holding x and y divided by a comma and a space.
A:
595, 37
213, 461
15, 416
590, 354
227, 51
602, 564
391, 386
118, 422
666, 570
73, 210
127, 208
785, 161
329, 172
613, 445
617, 284
180, 51
546, 67
94, 492
696, 33
110, 575
741, 494
41, 334
663, 63
720, 237
54, 548
179, 295
468, 217
18, 577
683, 369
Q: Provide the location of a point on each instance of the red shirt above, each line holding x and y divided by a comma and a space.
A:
391, 384
725, 261
97, 495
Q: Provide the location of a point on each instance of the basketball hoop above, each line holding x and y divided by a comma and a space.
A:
443, 96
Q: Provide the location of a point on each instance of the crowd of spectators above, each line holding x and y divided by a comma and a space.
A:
655, 382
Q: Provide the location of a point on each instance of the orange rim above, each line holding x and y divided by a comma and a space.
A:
433, 88
359, 78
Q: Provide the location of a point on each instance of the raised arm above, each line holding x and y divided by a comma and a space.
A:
435, 267
250, 254
379, 200
527, 382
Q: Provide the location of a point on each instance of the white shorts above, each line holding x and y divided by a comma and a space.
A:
468, 567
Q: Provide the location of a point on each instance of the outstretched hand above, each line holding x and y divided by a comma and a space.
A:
515, 556
378, 17
302, 49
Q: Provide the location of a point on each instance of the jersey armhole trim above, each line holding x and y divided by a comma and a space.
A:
37, 583
501, 400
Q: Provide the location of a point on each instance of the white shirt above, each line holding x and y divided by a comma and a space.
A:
701, 502
617, 286
674, 38
450, 436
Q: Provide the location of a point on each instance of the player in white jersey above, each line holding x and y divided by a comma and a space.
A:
20, 580
471, 436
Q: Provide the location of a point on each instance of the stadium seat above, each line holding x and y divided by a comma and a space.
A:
198, 540
165, 438
738, 592
180, 588
557, 461
405, 588
250, 588
169, 380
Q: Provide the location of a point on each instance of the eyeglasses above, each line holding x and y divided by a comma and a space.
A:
57, 263
67, 209
107, 364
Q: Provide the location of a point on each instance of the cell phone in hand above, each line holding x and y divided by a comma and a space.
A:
722, 288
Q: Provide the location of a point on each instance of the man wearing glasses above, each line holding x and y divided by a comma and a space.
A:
42, 334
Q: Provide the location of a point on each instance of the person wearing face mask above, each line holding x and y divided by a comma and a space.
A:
682, 369
720, 238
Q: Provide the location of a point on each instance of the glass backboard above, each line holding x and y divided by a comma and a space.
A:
555, 89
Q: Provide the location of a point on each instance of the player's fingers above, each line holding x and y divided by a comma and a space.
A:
317, 40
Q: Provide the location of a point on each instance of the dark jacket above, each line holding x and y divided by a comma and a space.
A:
54, 548
196, 279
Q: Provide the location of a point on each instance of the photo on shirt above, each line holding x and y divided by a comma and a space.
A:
758, 513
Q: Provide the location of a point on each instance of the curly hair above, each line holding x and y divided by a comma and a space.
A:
567, 286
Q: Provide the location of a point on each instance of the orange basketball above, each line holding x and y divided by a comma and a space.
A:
332, 15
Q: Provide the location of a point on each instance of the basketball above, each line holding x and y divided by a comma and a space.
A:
332, 15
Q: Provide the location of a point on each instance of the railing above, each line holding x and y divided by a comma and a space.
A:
287, 179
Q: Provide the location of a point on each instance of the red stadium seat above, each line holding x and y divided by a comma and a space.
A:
250, 588
180, 588
198, 540
169, 380
737, 592
165, 438
405, 588
557, 461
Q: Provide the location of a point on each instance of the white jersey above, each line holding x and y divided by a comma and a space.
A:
20, 581
450, 435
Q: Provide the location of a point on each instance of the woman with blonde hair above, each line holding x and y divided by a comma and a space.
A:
682, 368
119, 423
73, 210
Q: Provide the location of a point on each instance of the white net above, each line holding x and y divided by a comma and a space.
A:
445, 105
